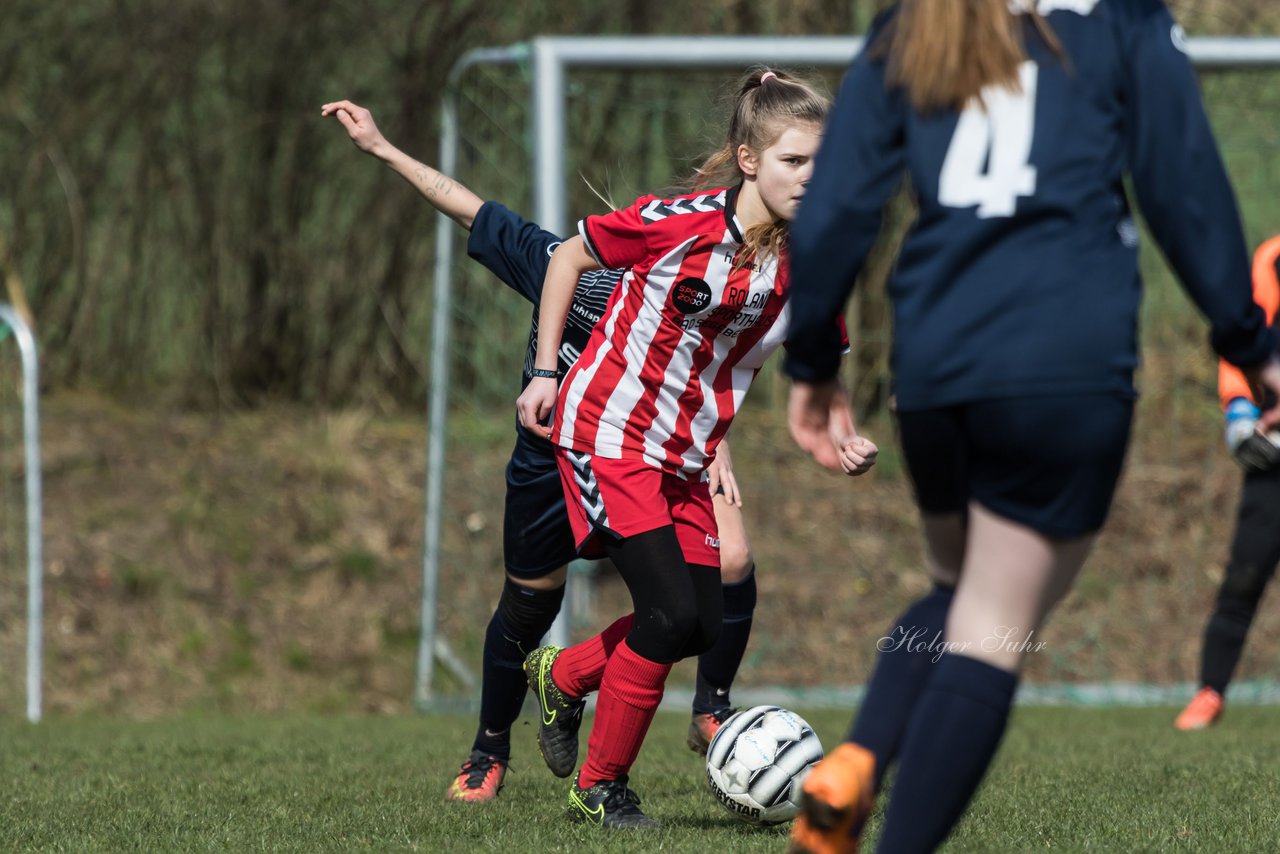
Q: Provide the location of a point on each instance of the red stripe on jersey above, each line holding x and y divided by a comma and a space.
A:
621, 313
681, 339
693, 397
724, 385
654, 377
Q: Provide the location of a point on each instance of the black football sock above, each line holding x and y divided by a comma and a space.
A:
950, 741
718, 666
522, 618
907, 658
502, 691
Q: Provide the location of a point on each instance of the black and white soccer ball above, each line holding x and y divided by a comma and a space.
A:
757, 763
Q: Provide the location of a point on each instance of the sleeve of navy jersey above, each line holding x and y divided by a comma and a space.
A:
857, 169
1183, 188
515, 250
619, 239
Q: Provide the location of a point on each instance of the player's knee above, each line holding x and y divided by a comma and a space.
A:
1243, 586
548, 581
944, 576
700, 643
665, 633
736, 561
704, 637
526, 613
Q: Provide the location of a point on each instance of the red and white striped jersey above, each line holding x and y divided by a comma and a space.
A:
681, 339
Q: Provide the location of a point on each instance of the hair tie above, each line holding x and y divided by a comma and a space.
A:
767, 75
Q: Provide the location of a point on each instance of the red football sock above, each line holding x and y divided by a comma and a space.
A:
629, 695
577, 671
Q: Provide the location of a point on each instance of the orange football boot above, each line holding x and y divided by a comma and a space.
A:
835, 803
479, 780
704, 726
1204, 710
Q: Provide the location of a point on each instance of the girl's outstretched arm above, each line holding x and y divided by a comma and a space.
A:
444, 193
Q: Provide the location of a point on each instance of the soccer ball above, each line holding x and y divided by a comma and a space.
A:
757, 763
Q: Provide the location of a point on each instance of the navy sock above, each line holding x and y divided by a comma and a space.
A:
718, 666
906, 660
521, 619
950, 740
502, 691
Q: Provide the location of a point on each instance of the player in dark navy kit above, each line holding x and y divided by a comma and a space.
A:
537, 540
1015, 302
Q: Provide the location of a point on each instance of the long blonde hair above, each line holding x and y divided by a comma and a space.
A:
767, 104
945, 52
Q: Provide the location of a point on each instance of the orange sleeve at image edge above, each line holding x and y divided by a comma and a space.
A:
1266, 293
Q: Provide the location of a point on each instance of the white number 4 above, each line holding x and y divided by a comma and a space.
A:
986, 163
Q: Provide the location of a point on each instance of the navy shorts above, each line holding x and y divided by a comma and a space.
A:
536, 535
1050, 463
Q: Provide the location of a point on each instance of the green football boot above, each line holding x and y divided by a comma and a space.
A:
560, 717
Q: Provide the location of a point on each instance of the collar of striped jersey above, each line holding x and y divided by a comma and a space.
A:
731, 212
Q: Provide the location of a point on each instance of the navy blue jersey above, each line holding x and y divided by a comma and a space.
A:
517, 252
1020, 275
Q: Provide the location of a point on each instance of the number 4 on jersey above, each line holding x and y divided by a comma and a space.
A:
987, 161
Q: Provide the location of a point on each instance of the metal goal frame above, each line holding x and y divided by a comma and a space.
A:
549, 60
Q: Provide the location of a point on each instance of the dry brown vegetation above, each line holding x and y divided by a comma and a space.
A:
271, 561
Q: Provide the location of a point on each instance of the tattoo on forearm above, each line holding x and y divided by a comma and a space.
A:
441, 185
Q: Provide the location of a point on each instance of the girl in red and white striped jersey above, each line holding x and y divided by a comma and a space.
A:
537, 539
639, 415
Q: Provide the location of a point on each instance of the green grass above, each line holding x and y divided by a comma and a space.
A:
1066, 779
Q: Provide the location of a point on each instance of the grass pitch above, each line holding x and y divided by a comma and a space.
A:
1066, 780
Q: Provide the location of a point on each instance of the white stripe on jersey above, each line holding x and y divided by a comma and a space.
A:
743, 373
646, 401
708, 415
581, 379
773, 338
616, 409
681, 365
644, 329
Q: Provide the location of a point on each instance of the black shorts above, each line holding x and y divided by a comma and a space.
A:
1050, 463
536, 535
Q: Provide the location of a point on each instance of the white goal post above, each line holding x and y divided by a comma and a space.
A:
26, 343
549, 59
